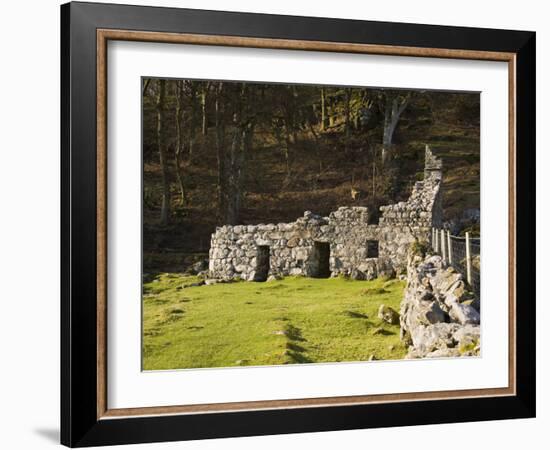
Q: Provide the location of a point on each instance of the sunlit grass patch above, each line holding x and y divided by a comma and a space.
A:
294, 320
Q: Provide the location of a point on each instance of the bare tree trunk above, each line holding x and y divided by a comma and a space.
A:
234, 173
387, 120
283, 140
193, 119
245, 143
290, 136
331, 114
286, 152
179, 140
373, 179
243, 129
161, 141
294, 115
146, 85
390, 123
203, 109
323, 110
347, 112
220, 150
395, 105
374, 157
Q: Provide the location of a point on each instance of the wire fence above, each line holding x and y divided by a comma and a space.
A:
462, 253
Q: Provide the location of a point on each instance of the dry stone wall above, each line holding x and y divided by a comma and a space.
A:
439, 316
344, 243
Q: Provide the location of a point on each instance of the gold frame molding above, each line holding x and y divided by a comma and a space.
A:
105, 35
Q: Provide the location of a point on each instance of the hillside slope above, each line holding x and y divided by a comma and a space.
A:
324, 168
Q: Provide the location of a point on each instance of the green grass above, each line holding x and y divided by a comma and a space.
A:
295, 320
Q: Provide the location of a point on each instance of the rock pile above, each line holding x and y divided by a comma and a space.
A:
439, 315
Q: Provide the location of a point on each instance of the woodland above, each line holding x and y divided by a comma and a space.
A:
223, 152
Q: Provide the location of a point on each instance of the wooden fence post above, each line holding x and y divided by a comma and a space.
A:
433, 238
449, 247
468, 259
436, 247
443, 252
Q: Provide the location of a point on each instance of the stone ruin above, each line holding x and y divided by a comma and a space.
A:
344, 243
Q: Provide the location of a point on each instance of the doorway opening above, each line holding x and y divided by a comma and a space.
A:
372, 249
320, 260
262, 263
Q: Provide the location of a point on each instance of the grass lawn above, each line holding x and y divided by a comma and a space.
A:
295, 320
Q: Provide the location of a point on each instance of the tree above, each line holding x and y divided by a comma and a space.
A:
219, 119
161, 142
362, 108
347, 117
204, 94
395, 104
323, 110
285, 121
146, 84
192, 87
180, 99
243, 122
235, 120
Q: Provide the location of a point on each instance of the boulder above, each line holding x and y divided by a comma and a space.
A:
445, 279
427, 339
388, 315
433, 313
464, 314
200, 266
474, 302
203, 274
384, 268
468, 340
358, 275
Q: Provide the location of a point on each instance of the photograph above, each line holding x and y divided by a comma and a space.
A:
297, 223
269, 224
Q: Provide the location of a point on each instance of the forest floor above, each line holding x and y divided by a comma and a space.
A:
269, 198
294, 320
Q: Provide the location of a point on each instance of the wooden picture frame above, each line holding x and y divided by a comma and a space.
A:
86, 418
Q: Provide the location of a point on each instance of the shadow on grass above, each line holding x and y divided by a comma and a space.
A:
294, 333
295, 347
383, 332
298, 358
156, 301
275, 286
355, 315
374, 291
294, 351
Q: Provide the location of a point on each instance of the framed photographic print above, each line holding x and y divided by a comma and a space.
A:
276, 224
